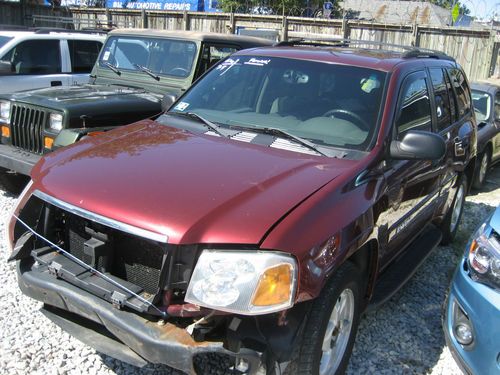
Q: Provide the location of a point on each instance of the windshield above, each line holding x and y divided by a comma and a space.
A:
4, 40
482, 104
328, 104
159, 56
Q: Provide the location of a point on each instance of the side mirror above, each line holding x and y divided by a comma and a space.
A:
167, 101
6, 68
418, 145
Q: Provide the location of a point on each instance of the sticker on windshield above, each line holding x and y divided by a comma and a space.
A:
257, 62
105, 57
224, 66
181, 106
369, 84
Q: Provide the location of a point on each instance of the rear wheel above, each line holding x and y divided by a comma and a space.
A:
482, 170
331, 326
449, 227
13, 183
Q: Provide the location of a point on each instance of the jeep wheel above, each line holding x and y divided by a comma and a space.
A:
12, 182
482, 170
331, 326
451, 221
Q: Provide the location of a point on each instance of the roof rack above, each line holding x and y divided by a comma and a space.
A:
408, 51
48, 30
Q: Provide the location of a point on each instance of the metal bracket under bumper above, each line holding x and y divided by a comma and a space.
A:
148, 341
17, 160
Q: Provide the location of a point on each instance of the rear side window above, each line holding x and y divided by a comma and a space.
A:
462, 89
443, 111
414, 112
36, 57
83, 54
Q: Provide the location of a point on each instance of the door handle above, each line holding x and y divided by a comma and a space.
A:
55, 83
459, 147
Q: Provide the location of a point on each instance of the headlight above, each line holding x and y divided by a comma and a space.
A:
4, 110
55, 122
484, 257
243, 282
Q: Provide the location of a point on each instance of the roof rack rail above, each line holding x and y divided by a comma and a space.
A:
48, 30
408, 51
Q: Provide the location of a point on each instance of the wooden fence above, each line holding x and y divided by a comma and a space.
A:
475, 50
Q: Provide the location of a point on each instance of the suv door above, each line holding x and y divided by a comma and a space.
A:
412, 185
496, 140
35, 64
460, 134
82, 56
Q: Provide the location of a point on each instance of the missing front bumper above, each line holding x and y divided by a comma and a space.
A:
118, 333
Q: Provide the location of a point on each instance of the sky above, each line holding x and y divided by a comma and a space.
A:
483, 8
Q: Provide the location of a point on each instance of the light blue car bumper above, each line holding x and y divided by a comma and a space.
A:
481, 304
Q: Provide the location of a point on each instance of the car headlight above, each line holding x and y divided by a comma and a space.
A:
484, 256
4, 110
243, 282
55, 122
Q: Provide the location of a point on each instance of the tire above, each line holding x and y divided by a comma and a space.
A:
12, 182
345, 285
449, 226
482, 170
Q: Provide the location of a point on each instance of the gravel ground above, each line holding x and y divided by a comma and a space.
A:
404, 336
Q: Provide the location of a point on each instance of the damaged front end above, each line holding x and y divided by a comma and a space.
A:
122, 290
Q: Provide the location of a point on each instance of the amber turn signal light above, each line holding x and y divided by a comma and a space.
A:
275, 286
5, 132
48, 142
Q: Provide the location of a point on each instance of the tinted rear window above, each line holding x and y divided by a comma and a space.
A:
462, 89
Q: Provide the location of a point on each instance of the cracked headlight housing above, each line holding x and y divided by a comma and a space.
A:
243, 282
484, 256
4, 111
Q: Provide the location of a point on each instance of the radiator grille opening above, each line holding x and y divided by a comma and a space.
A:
27, 125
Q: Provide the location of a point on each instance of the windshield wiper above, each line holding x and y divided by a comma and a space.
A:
147, 71
209, 124
284, 134
113, 68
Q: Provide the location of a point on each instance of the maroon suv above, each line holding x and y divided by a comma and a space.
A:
288, 190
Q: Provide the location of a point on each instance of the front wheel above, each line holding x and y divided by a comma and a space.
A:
331, 326
12, 182
449, 226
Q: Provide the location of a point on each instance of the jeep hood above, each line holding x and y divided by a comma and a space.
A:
194, 188
102, 104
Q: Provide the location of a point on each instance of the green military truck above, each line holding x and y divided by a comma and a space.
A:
138, 73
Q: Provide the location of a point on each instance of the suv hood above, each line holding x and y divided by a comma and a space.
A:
108, 104
194, 188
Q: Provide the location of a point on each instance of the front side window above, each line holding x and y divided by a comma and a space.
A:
462, 89
482, 104
328, 104
35, 57
443, 111
83, 54
414, 111
159, 56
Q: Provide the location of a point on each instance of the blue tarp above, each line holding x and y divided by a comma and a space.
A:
191, 5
